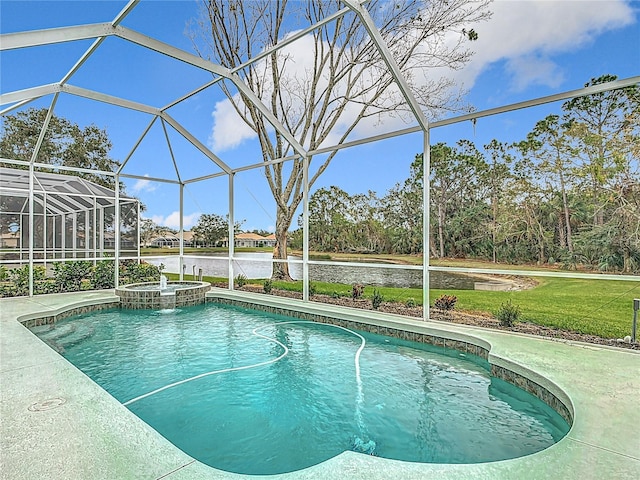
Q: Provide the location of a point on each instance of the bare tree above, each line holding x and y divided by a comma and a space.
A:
343, 81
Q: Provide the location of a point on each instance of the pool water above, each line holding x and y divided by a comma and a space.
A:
274, 394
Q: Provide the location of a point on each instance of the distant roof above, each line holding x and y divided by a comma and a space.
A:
168, 236
252, 236
65, 193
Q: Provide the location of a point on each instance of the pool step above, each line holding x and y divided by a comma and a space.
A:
65, 336
54, 332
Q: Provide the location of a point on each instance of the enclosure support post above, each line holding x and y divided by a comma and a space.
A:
100, 234
53, 237
74, 233
34, 156
426, 207
138, 230
45, 238
31, 224
86, 235
636, 307
63, 236
116, 232
21, 230
181, 231
305, 229
231, 237
94, 233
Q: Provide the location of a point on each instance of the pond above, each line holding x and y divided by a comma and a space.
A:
258, 265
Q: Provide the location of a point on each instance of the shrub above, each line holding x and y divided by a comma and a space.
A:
240, 280
376, 299
410, 302
69, 275
335, 294
133, 272
45, 286
357, 290
4, 273
312, 289
102, 276
7, 290
570, 261
19, 278
445, 302
267, 286
508, 314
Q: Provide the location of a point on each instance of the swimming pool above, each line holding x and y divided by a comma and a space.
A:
314, 390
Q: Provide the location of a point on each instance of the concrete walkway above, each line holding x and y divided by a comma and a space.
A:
56, 423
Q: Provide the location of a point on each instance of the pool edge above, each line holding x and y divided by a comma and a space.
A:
577, 455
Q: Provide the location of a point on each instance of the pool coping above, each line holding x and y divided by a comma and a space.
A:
191, 293
57, 423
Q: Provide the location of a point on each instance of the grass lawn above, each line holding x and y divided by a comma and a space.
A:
597, 307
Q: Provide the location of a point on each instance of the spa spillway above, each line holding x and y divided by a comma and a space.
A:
153, 295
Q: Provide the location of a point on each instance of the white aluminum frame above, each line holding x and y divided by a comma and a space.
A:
100, 31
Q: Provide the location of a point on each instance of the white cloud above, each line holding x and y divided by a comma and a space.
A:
228, 130
144, 185
533, 70
525, 35
173, 220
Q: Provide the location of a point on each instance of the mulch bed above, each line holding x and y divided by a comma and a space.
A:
455, 317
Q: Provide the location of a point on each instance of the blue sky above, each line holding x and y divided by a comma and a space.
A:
527, 50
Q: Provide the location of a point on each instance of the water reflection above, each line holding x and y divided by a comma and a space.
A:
258, 265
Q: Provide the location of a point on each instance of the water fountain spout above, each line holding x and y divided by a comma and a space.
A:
163, 282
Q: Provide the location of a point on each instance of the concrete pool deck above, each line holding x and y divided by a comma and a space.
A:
56, 423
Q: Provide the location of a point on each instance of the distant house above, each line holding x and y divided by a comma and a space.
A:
9, 240
254, 240
270, 240
188, 238
172, 240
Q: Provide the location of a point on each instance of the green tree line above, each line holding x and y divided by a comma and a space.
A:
64, 144
568, 193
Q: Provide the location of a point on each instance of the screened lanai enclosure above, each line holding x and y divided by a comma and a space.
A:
73, 218
52, 217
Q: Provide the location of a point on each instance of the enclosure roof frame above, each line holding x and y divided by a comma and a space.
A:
101, 31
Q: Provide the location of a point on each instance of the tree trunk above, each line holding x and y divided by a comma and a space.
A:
494, 226
626, 261
541, 258
432, 248
561, 232
598, 217
441, 229
281, 269
567, 215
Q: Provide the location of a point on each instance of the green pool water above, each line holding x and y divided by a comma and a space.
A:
256, 393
